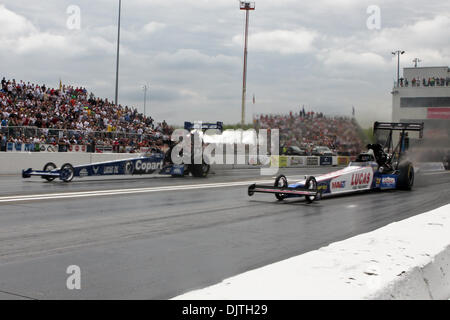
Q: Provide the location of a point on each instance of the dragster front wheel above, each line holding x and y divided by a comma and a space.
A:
49, 166
311, 184
67, 172
281, 181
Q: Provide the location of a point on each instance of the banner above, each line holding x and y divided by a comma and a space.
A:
296, 161
21, 147
326, 160
283, 161
48, 148
77, 148
438, 113
312, 161
103, 149
343, 161
253, 160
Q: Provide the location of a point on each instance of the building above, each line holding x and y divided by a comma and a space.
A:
423, 95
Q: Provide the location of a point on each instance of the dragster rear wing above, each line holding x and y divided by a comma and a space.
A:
203, 126
398, 126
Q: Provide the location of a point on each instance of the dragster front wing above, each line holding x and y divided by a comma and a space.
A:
281, 190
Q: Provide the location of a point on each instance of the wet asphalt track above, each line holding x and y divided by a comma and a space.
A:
158, 244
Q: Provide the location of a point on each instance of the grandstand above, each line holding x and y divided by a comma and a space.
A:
309, 129
35, 114
33, 117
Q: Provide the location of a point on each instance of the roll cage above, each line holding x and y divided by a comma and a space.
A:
388, 155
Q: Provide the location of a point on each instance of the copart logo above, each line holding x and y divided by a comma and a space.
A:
148, 166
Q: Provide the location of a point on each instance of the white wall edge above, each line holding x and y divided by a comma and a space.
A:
409, 259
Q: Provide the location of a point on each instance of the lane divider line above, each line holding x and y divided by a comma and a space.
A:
81, 194
121, 191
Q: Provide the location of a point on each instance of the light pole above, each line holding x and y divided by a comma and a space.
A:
416, 61
145, 98
245, 5
398, 53
117, 61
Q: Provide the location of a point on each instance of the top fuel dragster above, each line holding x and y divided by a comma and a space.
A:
382, 167
156, 162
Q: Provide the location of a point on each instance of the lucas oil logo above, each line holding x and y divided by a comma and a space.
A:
359, 179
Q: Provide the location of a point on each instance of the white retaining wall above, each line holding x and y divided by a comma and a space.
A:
14, 162
409, 259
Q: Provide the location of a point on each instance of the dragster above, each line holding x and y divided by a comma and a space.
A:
156, 162
382, 168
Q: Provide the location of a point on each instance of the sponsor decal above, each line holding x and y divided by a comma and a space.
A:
128, 168
338, 185
95, 169
322, 187
388, 180
176, 170
111, 170
147, 166
361, 179
84, 173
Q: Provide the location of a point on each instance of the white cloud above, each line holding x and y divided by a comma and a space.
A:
153, 26
318, 53
13, 25
356, 60
191, 58
282, 41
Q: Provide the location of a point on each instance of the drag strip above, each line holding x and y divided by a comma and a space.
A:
112, 192
159, 244
55, 196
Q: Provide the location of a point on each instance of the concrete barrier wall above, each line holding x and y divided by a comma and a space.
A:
409, 259
15, 162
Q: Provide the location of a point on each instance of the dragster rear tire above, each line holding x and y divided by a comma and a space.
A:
251, 190
49, 166
284, 183
200, 170
310, 183
67, 172
405, 179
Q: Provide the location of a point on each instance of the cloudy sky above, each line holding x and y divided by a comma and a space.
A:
318, 53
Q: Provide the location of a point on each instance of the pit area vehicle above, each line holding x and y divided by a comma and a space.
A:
382, 167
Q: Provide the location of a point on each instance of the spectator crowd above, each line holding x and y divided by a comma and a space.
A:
430, 82
310, 129
71, 115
